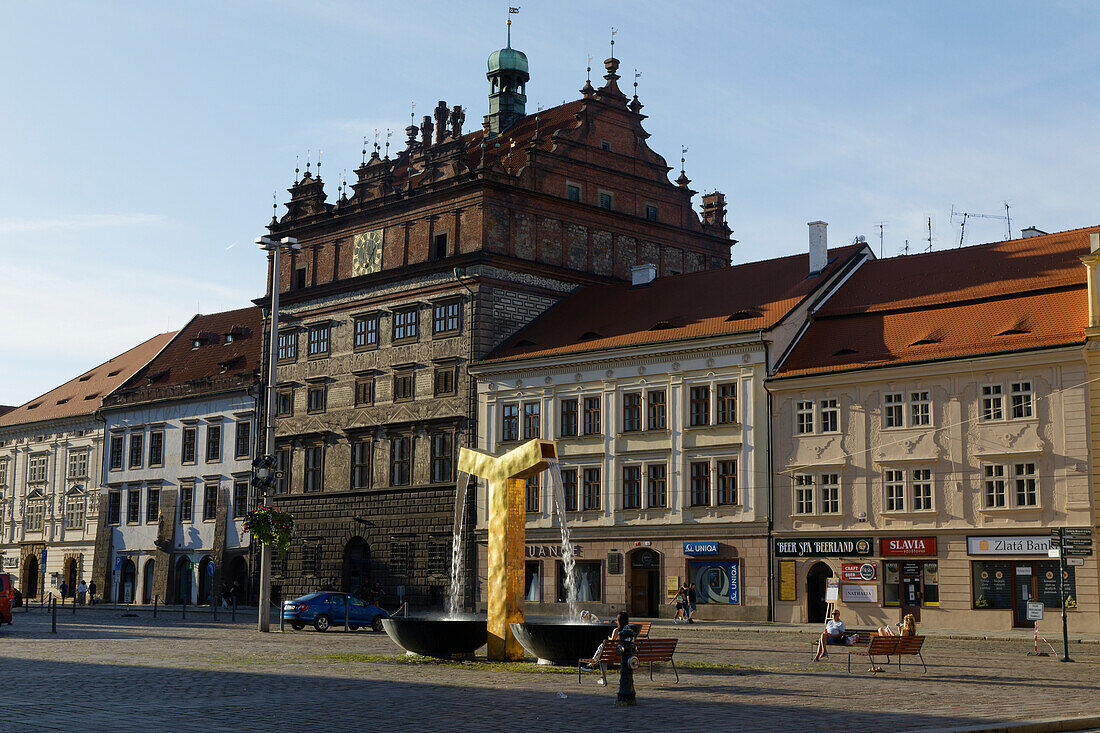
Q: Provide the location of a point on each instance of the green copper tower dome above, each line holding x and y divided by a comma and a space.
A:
508, 75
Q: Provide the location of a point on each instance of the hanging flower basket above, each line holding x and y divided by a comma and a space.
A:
271, 527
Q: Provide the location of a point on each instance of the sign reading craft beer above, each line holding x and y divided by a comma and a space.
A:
911, 546
824, 547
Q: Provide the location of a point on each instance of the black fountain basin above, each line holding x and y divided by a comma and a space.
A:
436, 637
561, 642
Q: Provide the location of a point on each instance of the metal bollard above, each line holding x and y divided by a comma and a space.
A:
213, 606
155, 599
347, 610
53, 618
279, 606
74, 605
234, 610
185, 607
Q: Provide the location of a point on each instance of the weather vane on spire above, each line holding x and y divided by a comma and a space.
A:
613, 32
636, 75
683, 154
388, 133
377, 134
511, 11
589, 69
364, 150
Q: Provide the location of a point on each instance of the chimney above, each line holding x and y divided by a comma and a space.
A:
714, 209
1031, 232
643, 274
819, 247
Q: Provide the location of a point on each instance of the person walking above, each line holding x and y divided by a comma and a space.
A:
679, 600
64, 588
91, 593
691, 603
81, 592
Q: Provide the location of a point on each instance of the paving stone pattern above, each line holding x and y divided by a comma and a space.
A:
105, 672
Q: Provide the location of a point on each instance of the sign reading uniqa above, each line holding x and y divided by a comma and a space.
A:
1009, 545
700, 548
551, 550
824, 547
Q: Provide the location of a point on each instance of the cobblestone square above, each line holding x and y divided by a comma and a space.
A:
103, 671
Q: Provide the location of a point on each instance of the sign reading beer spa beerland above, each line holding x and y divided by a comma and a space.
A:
825, 547
911, 546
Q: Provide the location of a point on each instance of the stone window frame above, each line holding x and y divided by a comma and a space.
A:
156, 440
363, 391
580, 191
651, 208
242, 437
313, 468
319, 340
287, 353
115, 448
447, 317
445, 460
193, 432
361, 471
600, 194
38, 468
362, 327
136, 454
287, 393
441, 373
404, 377
79, 457
316, 399
408, 460
406, 318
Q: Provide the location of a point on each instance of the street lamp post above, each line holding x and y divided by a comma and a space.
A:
270, 245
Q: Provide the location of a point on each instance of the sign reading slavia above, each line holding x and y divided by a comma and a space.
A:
912, 546
700, 548
824, 547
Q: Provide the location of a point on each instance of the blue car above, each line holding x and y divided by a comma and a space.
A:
326, 609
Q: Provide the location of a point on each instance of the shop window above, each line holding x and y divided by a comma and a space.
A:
532, 587
998, 583
589, 576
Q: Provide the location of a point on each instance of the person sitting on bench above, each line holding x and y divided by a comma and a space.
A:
833, 634
907, 627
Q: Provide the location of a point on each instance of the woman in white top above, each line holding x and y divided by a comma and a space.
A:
833, 634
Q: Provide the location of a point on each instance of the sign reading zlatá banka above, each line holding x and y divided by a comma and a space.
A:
1008, 545
893, 546
824, 547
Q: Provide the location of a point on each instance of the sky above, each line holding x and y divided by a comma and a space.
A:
142, 142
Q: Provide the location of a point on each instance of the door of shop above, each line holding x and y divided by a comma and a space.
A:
816, 606
911, 589
644, 583
1023, 590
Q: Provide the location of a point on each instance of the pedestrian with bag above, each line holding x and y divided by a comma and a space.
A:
91, 593
81, 592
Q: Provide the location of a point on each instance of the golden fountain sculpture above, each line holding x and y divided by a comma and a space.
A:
506, 476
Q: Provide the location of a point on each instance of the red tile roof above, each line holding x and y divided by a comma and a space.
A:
1004, 296
728, 300
83, 395
228, 358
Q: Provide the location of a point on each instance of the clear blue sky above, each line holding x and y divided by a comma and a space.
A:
141, 142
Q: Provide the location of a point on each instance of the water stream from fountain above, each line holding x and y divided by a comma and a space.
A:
454, 598
568, 558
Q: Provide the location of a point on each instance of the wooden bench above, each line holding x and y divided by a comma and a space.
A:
879, 646
910, 646
650, 651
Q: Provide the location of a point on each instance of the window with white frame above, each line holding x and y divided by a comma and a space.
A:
994, 486
1027, 492
1021, 399
568, 423
893, 482
74, 511
700, 483
531, 420
35, 514
632, 412
920, 408
531, 498
727, 403
3, 471
893, 410
656, 486
803, 494
319, 339
592, 491
727, 482
36, 468
509, 422
992, 402
699, 406
78, 464
922, 489
656, 409
830, 493
804, 417
632, 487
830, 415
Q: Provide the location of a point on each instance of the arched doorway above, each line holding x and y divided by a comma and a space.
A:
147, 582
815, 592
127, 582
183, 580
70, 576
356, 565
238, 573
30, 577
645, 583
205, 581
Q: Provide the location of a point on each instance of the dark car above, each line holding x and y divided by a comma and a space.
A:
326, 609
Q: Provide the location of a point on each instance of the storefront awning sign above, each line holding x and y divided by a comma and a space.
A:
1008, 545
701, 548
858, 570
907, 546
824, 547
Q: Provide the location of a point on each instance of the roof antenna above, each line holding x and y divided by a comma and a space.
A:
881, 225
929, 234
1008, 219
906, 250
